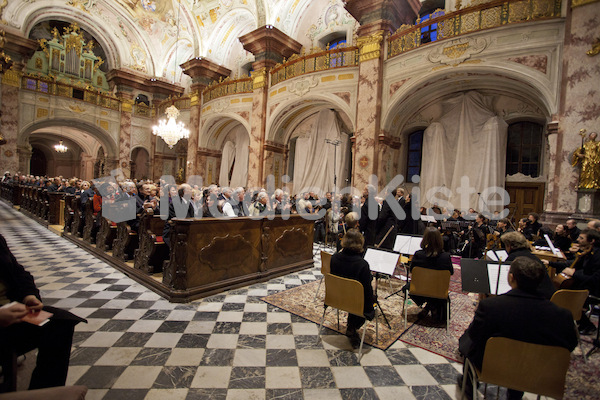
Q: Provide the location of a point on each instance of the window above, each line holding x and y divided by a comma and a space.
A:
524, 149
415, 145
429, 32
336, 44
336, 59
142, 99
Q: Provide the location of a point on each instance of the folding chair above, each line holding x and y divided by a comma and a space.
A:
572, 300
325, 268
347, 295
429, 283
523, 366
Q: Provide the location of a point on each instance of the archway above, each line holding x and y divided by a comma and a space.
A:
38, 165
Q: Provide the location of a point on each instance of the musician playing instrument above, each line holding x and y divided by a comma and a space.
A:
532, 226
584, 270
478, 234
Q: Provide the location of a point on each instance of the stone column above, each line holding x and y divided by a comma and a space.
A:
269, 46
24, 154
15, 50
202, 72
378, 20
125, 133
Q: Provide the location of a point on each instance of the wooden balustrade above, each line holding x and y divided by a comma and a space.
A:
226, 88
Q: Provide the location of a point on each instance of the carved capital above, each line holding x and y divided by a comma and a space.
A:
259, 78
370, 46
12, 78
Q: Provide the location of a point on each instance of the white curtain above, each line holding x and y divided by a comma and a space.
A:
235, 152
314, 157
469, 141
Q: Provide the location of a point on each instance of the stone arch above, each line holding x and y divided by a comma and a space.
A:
285, 113
140, 163
217, 126
101, 136
519, 82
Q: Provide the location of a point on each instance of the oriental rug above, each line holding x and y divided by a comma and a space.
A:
301, 301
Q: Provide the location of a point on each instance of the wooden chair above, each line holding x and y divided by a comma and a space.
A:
346, 295
429, 283
572, 300
523, 366
325, 268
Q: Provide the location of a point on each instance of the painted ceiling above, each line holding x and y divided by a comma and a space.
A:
154, 37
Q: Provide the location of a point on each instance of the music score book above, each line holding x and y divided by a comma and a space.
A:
481, 276
502, 254
407, 244
381, 261
498, 278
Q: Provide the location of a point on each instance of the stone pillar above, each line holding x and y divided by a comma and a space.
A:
125, 133
378, 20
389, 155
24, 154
202, 72
578, 108
15, 50
269, 46
9, 157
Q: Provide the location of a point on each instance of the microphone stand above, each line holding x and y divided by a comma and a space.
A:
378, 276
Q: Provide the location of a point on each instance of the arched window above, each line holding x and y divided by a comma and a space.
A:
337, 43
415, 146
524, 149
142, 99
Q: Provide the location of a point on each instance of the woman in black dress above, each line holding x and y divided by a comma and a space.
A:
349, 263
432, 256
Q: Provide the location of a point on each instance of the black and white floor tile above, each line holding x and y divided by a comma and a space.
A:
137, 345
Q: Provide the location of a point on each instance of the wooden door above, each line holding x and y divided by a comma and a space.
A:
525, 198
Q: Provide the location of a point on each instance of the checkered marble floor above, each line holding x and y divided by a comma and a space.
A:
228, 346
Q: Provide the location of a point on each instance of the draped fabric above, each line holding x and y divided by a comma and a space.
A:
468, 141
314, 157
235, 153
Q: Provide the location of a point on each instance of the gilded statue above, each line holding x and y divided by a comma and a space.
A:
588, 158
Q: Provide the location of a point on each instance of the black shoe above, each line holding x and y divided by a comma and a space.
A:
587, 330
354, 339
423, 313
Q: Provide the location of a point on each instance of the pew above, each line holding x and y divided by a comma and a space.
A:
54, 199
76, 225
125, 243
89, 226
152, 250
210, 255
44, 204
69, 199
106, 234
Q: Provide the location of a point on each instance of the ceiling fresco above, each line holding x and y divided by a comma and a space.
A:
154, 36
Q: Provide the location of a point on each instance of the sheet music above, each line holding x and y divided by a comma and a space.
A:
382, 261
415, 245
502, 254
428, 218
503, 285
554, 249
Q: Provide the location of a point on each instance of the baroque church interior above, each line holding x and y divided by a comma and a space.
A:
501, 92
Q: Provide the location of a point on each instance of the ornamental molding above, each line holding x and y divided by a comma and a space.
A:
457, 51
220, 105
303, 86
370, 46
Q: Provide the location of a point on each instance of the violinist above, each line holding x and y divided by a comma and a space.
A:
584, 271
477, 238
503, 227
532, 226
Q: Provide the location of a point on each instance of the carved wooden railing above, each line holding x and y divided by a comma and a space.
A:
473, 19
142, 110
226, 88
42, 85
315, 62
182, 103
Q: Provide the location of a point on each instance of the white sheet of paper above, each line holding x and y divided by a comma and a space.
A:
381, 261
555, 251
502, 254
415, 245
401, 243
503, 285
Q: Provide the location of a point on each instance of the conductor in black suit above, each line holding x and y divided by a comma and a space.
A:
387, 224
368, 223
521, 314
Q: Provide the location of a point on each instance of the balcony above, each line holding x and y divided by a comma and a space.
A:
227, 87
473, 19
315, 62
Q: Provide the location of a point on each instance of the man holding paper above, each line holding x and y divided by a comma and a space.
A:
24, 324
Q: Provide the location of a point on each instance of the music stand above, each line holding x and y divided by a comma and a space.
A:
381, 262
407, 245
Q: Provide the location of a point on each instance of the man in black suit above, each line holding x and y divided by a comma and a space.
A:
387, 222
53, 340
521, 314
368, 223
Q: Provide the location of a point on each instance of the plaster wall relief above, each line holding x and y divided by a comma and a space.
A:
9, 160
330, 19
581, 107
140, 136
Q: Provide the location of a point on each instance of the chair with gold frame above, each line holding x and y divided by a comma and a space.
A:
429, 283
523, 366
347, 295
572, 300
325, 268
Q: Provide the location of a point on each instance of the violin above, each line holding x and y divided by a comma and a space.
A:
492, 241
564, 281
